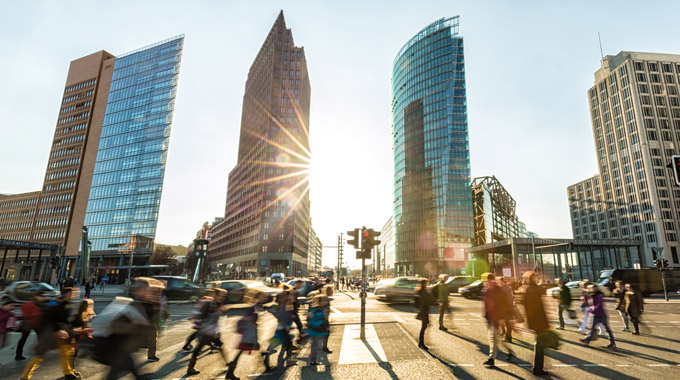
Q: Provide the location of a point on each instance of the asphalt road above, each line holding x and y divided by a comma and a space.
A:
461, 351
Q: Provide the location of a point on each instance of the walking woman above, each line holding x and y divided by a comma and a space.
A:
423, 301
634, 306
620, 294
247, 328
282, 336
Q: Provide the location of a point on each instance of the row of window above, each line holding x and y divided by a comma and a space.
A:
56, 198
78, 86
62, 163
19, 203
52, 222
75, 107
69, 140
60, 187
66, 152
60, 210
79, 96
48, 235
75, 117
15, 226
61, 174
18, 214
73, 128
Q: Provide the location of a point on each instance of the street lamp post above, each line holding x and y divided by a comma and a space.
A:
201, 251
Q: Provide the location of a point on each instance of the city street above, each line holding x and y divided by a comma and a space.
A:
390, 349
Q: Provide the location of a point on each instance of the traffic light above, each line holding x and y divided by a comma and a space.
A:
676, 169
354, 235
664, 263
657, 263
368, 241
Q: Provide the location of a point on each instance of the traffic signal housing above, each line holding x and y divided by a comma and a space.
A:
368, 241
657, 263
355, 238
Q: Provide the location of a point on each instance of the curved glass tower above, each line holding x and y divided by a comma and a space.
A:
433, 217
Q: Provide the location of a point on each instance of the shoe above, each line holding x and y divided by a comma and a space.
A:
268, 368
74, 376
584, 341
19, 357
443, 328
611, 345
508, 340
313, 363
510, 357
561, 328
327, 350
187, 348
489, 363
232, 377
153, 359
626, 330
291, 362
77, 374
540, 372
193, 371
424, 347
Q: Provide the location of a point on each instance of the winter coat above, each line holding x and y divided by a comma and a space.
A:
565, 295
596, 305
31, 312
496, 306
533, 305
620, 296
423, 301
442, 292
633, 304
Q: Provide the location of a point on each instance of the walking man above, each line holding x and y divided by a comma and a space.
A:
620, 294
443, 299
510, 299
536, 319
496, 310
634, 306
423, 301
565, 301
599, 314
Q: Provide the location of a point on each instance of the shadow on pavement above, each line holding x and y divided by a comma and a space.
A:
605, 372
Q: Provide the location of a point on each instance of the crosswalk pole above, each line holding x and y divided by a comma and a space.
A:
363, 298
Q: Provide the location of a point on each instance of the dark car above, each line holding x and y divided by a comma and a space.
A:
308, 286
180, 288
237, 288
457, 282
473, 290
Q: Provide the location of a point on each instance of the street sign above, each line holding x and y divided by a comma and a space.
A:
238, 269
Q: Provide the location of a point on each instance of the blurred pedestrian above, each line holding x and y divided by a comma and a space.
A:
318, 326
565, 301
7, 319
327, 291
53, 334
585, 299
195, 318
442, 292
30, 321
81, 327
152, 308
296, 307
634, 306
281, 336
210, 311
620, 295
119, 330
597, 311
88, 288
536, 319
247, 328
507, 324
423, 301
496, 310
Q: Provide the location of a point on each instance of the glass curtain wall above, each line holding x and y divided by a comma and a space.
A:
128, 175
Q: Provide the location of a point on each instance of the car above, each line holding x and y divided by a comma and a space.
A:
23, 291
180, 288
308, 286
473, 290
383, 281
236, 289
457, 282
400, 289
575, 290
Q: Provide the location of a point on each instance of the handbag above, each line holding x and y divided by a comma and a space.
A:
11, 324
571, 313
550, 339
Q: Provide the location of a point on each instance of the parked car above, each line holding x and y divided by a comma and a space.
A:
474, 290
236, 289
180, 288
457, 282
23, 291
575, 290
400, 289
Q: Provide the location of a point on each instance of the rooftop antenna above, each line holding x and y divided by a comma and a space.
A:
601, 53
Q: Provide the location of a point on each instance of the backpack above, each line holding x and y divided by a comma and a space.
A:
317, 322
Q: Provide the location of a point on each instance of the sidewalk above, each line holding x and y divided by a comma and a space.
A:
388, 352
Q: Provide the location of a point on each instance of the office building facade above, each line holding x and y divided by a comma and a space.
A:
267, 222
635, 114
433, 216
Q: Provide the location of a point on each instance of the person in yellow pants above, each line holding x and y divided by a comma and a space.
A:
53, 326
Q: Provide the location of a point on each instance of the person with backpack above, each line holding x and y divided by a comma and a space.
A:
53, 334
318, 326
30, 320
195, 318
282, 336
496, 310
210, 314
423, 301
247, 328
442, 293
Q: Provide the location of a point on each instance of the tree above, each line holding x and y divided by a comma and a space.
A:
161, 254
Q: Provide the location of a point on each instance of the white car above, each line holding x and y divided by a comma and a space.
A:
23, 291
575, 290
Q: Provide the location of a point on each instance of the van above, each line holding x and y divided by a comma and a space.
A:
278, 278
648, 281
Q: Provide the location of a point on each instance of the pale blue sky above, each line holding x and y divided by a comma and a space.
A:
528, 66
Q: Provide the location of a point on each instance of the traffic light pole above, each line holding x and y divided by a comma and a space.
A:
337, 284
363, 299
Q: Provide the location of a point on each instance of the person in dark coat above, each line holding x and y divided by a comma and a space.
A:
536, 319
634, 306
423, 301
599, 313
496, 310
620, 294
565, 301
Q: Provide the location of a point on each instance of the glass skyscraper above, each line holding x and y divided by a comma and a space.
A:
128, 174
433, 215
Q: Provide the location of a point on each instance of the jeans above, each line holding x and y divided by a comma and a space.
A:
317, 342
596, 321
22, 341
423, 327
624, 317
151, 335
443, 308
202, 341
584, 324
493, 341
539, 354
561, 312
636, 323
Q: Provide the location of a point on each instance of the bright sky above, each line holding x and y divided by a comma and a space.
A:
528, 66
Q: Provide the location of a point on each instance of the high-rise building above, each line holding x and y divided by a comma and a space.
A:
433, 216
267, 221
107, 122
315, 251
387, 247
635, 113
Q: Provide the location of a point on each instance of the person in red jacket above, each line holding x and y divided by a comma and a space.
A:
30, 320
496, 310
